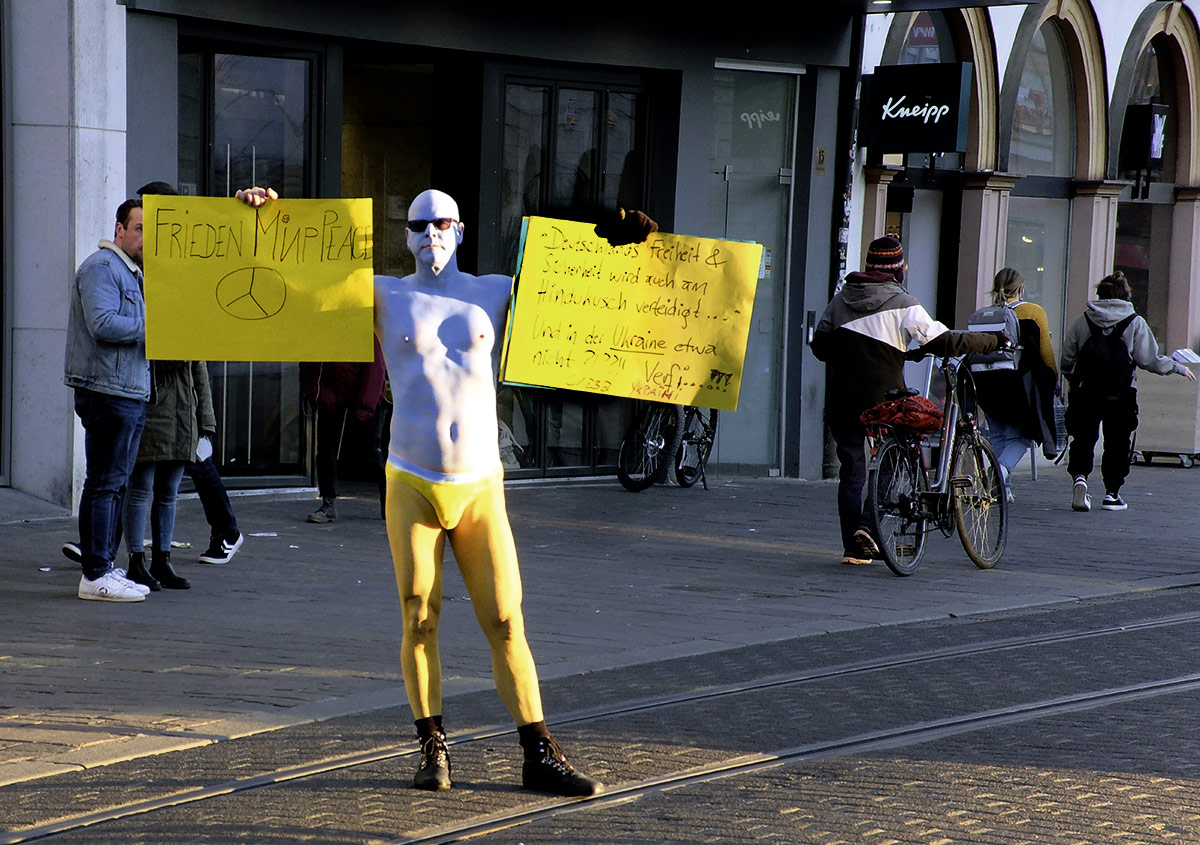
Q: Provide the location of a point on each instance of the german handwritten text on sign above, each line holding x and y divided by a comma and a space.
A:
665, 320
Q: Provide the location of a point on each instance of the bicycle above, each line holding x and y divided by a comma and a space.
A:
699, 434
662, 437
649, 446
966, 495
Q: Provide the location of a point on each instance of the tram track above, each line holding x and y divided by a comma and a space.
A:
895, 736
892, 738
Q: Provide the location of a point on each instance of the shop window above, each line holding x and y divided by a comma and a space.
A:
1042, 146
247, 120
928, 41
1043, 130
1037, 246
568, 149
1143, 241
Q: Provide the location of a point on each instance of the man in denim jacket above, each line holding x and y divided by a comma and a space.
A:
106, 366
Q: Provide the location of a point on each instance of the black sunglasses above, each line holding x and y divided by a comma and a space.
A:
441, 224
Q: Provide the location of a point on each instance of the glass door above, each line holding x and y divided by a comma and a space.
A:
246, 120
749, 198
568, 150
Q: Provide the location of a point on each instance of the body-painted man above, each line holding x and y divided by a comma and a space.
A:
439, 329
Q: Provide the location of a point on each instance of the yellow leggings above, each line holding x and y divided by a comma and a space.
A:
482, 542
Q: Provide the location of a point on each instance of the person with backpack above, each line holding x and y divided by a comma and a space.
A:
1100, 353
1016, 386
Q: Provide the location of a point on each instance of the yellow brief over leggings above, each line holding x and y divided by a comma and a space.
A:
449, 499
421, 516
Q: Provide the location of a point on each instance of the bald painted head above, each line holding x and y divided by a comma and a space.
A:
434, 230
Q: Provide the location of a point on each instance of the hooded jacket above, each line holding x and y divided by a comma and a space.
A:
863, 337
1137, 337
179, 413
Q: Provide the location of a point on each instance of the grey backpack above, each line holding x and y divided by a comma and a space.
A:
996, 318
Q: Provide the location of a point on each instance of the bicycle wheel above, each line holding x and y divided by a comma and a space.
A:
894, 506
699, 432
649, 447
980, 507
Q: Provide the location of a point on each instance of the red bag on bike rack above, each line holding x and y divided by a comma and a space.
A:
912, 412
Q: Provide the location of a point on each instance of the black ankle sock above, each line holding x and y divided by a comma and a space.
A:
428, 726
530, 735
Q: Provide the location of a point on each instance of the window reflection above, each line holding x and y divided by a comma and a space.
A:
567, 150
258, 134
260, 123
1037, 247
923, 44
1043, 132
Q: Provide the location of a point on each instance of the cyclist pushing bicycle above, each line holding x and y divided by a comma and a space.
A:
863, 338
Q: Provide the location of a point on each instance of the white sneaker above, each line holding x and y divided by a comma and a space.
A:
124, 576
1080, 500
109, 587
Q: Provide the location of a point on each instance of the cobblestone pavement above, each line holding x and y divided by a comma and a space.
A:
301, 626
1125, 772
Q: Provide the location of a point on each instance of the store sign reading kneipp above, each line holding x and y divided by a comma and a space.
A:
916, 108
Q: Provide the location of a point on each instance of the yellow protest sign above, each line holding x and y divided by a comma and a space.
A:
290, 281
665, 320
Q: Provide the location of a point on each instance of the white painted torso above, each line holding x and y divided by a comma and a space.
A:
439, 340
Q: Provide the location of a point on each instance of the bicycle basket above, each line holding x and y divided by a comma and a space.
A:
915, 413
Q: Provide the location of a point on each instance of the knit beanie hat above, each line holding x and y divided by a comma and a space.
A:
886, 255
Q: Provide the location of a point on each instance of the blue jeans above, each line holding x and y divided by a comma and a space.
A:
158, 480
1008, 444
112, 432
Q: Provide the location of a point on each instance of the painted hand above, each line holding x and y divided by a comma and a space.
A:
626, 227
256, 197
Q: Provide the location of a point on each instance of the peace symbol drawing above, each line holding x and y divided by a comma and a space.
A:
252, 293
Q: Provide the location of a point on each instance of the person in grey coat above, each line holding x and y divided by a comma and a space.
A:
1103, 383
179, 413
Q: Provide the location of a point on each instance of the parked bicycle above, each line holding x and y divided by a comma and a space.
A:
696, 445
966, 494
665, 437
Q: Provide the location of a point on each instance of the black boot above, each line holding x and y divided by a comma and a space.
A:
138, 573
327, 512
546, 769
160, 568
434, 773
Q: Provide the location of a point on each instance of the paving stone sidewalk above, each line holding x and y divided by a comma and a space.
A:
303, 624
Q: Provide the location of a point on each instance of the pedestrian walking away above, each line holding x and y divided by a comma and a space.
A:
1019, 402
1101, 353
863, 337
106, 366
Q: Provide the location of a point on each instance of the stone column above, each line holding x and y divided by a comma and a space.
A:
1183, 294
981, 239
874, 218
1093, 241
67, 166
